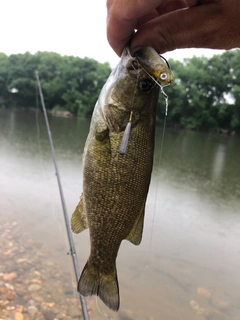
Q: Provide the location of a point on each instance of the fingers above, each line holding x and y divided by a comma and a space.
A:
200, 26
169, 24
120, 31
131, 10
171, 5
125, 16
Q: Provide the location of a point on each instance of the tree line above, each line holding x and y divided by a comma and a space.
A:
68, 83
205, 94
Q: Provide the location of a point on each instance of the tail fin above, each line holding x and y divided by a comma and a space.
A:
93, 282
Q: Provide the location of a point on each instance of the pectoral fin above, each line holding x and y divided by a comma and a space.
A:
135, 235
100, 130
101, 133
79, 218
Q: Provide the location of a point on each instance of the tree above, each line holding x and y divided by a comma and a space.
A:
69, 83
205, 94
4, 94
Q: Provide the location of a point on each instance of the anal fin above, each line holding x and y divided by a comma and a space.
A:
135, 235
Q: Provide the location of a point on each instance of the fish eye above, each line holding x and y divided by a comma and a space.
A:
163, 76
145, 85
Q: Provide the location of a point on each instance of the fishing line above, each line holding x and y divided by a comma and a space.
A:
126, 134
102, 314
161, 149
161, 89
161, 146
128, 127
162, 141
157, 187
155, 198
72, 250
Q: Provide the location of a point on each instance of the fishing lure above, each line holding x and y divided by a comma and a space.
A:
158, 75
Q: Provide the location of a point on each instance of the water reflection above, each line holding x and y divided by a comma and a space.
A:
218, 162
187, 266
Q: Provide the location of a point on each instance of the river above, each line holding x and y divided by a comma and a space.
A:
187, 266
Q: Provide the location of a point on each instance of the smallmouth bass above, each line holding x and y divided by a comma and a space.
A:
115, 184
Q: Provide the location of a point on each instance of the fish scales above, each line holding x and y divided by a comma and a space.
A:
115, 186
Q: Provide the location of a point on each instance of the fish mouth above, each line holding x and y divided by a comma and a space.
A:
154, 64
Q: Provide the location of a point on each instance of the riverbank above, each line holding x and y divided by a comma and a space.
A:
25, 290
68, 114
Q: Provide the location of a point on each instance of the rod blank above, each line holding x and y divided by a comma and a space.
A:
72, 250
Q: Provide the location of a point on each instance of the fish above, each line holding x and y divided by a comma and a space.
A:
115, 182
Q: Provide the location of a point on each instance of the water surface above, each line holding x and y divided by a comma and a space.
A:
187, 266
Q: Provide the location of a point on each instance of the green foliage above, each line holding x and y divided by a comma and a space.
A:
68, 83
204, 96
206, 93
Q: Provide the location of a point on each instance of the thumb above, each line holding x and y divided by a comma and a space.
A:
203, 26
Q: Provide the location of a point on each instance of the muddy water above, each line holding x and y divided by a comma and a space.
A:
187, 266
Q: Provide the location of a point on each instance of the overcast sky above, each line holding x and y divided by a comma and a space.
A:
69, 27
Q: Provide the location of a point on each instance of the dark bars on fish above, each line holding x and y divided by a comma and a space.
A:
69, 233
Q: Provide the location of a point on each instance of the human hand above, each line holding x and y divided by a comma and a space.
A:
170, 24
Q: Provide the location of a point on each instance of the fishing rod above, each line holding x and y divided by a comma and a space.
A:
72, 250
